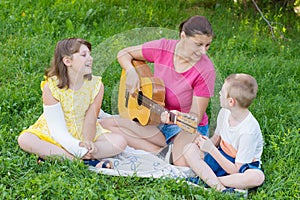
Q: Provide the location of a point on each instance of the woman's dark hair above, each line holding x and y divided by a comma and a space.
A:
196, 25
66, 47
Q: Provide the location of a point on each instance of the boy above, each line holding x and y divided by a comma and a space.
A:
232, 158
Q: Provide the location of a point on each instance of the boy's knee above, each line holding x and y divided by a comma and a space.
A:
260, 178
256, 178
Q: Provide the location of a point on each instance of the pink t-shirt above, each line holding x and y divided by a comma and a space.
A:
180, 87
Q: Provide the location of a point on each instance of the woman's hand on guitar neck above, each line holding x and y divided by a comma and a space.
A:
165, 116
132, 80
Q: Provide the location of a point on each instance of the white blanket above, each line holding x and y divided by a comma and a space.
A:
132, 162
143, 164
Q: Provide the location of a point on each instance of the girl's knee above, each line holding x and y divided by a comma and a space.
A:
23, 140
120, 141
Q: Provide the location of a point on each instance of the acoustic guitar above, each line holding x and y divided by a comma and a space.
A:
147, 104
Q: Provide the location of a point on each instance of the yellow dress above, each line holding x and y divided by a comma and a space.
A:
74, 105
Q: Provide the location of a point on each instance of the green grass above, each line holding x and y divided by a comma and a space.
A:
243, 43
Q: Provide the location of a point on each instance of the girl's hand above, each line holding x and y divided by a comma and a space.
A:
88, 156
89, 145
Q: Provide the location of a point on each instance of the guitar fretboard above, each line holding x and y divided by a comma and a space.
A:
158, 109
150, 104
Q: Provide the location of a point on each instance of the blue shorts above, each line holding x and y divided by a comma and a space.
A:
219, 171
171, 130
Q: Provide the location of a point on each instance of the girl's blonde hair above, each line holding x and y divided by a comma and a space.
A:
66, 47
242, 87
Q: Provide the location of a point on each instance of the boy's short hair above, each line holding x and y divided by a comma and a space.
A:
242, 87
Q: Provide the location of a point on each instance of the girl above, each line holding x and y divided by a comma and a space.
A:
72, 99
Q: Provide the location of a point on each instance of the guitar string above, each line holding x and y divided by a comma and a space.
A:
148, 102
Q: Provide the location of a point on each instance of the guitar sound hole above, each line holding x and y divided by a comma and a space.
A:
140, 98
135, 120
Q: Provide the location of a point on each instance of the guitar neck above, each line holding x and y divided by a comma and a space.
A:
150, 104
186, 122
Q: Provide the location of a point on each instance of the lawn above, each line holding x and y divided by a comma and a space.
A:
243, 43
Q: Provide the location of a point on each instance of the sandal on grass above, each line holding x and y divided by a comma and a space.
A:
95, 163
99, 163
40, 160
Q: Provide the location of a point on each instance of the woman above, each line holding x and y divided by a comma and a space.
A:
189, 77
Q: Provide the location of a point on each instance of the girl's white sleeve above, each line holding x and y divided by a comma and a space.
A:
58, 130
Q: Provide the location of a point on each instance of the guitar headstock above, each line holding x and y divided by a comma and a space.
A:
187, 122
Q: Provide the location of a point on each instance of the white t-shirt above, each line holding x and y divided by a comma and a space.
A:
244, 141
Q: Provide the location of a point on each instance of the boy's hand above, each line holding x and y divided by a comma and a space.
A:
204, 143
